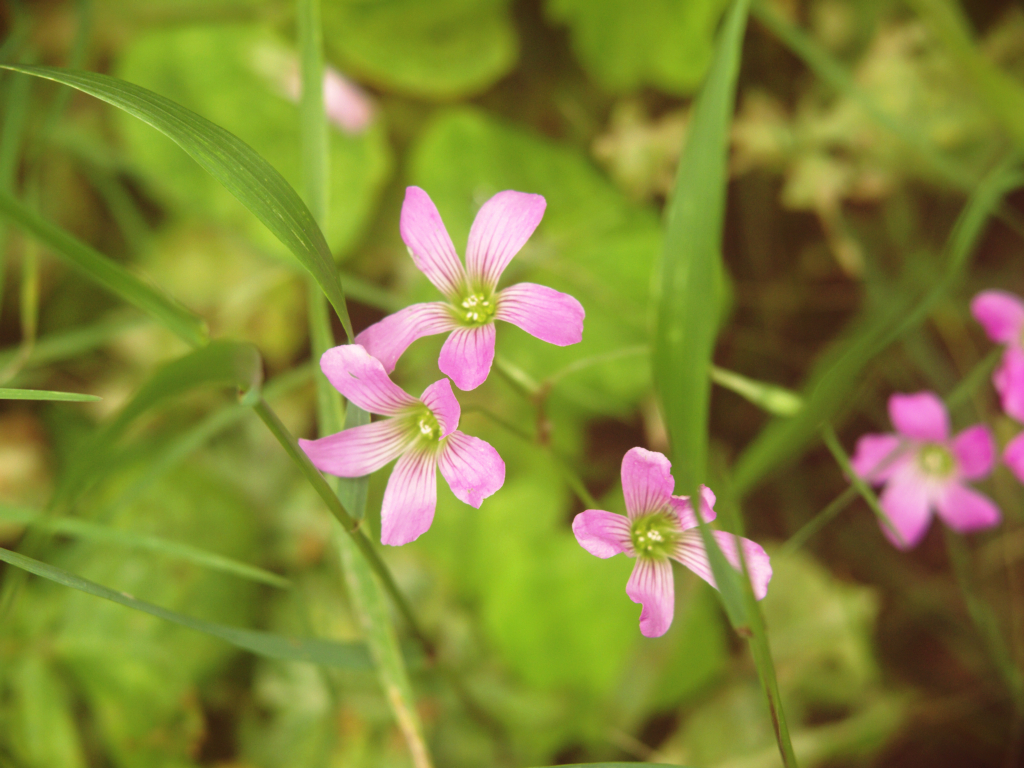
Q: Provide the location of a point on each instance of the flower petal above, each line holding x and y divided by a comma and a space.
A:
345, 103
647, 481
876, 457
1001, 314
1013, 456
1009, 383
603, 534
905, 502
651, 585
550, 315
921, 416
358, 451
389, 338
975, 452
472, 467
684, 509
501, 227
965, 510
467, 356
429, 244
690, 552
410, 498
440, 399
363, 380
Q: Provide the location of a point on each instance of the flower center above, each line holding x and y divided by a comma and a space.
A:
429, 429
654, 535
476, 308
936, 460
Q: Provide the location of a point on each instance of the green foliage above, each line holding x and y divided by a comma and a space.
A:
666, 43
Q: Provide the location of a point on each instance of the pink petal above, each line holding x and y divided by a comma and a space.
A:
651, 585
603, 534
921, 416
647, 481
362, 380
975, 452
965, 510
345, 103
440, 399
684, 509
905, 502
473, 469
467, 356
409, 499
429, 244
501, 227
550, 315
1001, 314
358, 451
876, 457
690, 552
1009, 383
389, 338
1013, 456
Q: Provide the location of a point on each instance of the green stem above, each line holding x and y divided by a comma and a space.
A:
819, 521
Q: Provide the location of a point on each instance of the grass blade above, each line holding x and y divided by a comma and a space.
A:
42, 394
109, 274
268, 644
82, 529
243, 172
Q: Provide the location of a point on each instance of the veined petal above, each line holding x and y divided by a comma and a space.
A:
472, 467
876, 457
975, 452
1001, 314
440, 399
651, 585
1013, 456
388, 339
363, 380
501, 227
906, 503
647, 481
467, 356
684, 509
690, 551
358, 451
429, 244
1008, 380
965, 510
550, 315
603, 534
921, 416
410, 498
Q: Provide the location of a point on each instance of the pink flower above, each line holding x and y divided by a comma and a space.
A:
346, 104
923, 469
1001, 314
422, 434
502, 226
661, 527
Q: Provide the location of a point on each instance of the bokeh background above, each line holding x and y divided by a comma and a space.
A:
843, 193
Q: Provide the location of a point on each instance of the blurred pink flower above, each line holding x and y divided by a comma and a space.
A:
422, 434
346, 104
923, 469
660, 527
1001, 314
502, 226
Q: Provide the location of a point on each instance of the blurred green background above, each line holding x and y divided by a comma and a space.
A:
861, 128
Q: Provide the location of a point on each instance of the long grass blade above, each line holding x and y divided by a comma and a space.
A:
42, 394
243, 172
322, 652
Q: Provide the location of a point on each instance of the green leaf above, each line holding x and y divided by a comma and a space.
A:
109, 274
250, 178
82, 529
272, 646
440, 49
42, 394
666, 43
